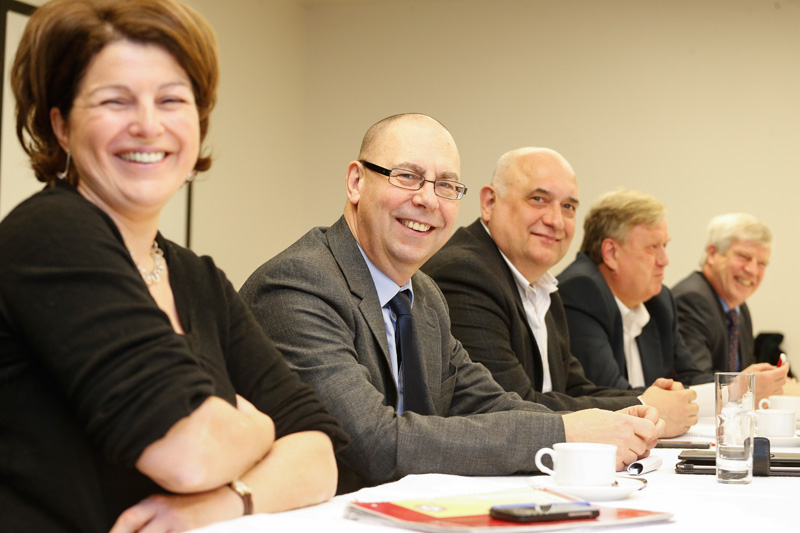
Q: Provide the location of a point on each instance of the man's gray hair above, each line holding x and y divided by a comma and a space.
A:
724, 230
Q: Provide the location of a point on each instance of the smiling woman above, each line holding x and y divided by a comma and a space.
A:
133, 131
170, 407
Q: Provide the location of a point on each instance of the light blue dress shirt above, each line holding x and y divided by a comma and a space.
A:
388, 289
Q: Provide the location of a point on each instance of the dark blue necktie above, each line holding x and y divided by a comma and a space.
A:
733, 340
408, 356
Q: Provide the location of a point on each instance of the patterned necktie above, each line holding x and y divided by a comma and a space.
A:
408, 357
733, 340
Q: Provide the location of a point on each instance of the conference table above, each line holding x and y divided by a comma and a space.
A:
697, 502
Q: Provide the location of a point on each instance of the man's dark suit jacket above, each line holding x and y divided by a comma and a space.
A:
704, 327
488, 317
319, 304
595, 330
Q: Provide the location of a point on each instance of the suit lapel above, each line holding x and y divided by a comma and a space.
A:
712, 295
745, 339
604, 309
504, 277
558, 378
649, 343
538, 369
746, 342
426, 335
356, 273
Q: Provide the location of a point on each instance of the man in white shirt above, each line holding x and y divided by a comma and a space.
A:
504, 304
622, 320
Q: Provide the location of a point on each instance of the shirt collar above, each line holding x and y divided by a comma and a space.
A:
725, 306
633, 319
387, 289
547, 282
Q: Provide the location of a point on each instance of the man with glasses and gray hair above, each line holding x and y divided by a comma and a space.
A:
713, 316
349, 310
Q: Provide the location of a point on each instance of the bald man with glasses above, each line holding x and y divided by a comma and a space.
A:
349, 310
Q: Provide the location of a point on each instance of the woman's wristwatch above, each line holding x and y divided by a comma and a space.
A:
240, 487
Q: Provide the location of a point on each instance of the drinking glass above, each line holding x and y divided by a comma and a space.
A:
735, 414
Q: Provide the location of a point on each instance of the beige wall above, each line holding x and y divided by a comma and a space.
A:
248, 207
694, 101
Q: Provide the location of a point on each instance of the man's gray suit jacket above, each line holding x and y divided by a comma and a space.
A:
489, 319
317, 301
704, 327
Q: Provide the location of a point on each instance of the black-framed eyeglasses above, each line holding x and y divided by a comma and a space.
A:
408, 179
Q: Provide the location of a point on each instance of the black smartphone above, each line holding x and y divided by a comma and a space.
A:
534, 512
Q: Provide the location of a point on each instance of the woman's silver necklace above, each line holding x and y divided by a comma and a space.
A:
151, 277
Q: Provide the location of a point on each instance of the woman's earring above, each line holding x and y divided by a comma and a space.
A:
63, 175
191, 176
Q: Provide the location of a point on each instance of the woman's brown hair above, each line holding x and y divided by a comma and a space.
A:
61, 39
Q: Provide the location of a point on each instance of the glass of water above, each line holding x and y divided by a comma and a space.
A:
735, 410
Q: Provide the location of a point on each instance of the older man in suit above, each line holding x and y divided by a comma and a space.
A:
713, 316
410, 399
504, 304
622, 320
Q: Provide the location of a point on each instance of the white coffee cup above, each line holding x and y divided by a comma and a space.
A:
775, 423
580, 463
789, 403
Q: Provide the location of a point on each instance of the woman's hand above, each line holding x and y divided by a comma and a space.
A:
299, 470
180, 512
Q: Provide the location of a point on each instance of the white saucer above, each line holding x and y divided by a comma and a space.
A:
625, 487
788, 442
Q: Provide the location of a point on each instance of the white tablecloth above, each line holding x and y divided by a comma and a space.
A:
698, 503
